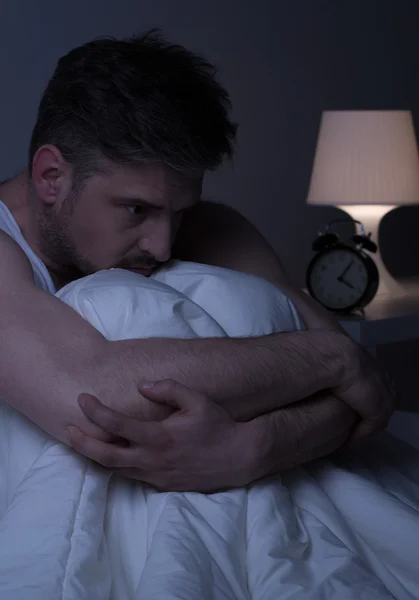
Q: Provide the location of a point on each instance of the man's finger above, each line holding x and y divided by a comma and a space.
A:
117, 424
175, 395
107, 455
363, 431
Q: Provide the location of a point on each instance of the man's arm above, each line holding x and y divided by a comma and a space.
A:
218, 235
49, 355
201, 448
297, 434
248, 376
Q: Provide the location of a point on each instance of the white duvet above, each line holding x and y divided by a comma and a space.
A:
342, 528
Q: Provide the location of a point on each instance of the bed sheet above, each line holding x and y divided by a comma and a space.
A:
345, 527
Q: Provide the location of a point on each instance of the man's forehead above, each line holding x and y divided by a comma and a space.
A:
157, 181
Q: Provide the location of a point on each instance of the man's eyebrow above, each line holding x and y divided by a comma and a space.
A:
141, 202
146, 203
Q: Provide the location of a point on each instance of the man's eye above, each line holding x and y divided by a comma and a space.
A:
136, 210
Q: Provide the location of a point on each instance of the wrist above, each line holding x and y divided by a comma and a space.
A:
329, 349
253, 450
307, 362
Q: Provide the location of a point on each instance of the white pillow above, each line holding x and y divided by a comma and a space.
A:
244, 305
182, 300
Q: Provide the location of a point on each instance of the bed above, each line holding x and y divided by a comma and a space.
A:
345, 527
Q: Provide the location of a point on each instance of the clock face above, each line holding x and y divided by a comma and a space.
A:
339, 278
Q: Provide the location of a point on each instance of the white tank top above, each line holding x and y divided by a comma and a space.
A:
41, 276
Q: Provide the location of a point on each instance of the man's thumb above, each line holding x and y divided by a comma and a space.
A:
173, 393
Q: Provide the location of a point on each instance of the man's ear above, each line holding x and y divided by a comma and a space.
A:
51, 176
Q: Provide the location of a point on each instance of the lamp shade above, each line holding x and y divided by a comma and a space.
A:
364, 158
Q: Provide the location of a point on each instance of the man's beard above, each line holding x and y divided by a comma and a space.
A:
57, 245
63, 257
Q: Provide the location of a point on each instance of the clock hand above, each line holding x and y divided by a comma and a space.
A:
340, 278
346, 283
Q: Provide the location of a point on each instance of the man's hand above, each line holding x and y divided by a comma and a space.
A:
216, 234
199, 447
367, 389
142, 410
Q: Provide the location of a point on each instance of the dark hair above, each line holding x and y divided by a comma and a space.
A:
142, 99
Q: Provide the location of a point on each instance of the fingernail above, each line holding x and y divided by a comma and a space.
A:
148, 385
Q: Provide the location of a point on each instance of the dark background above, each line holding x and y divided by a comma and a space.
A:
284, 62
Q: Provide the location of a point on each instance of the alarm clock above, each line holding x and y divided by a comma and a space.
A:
342, 276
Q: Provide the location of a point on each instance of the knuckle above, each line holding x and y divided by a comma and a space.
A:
170, 384
164, 386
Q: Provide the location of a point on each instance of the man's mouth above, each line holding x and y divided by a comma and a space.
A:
146, 271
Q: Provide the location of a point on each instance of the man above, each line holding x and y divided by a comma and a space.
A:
125, 133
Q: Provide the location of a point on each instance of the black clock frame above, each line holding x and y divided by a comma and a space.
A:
372, 274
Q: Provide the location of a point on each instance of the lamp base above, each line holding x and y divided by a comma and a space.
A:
370, 216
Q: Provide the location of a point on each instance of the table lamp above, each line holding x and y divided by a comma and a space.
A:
367, 163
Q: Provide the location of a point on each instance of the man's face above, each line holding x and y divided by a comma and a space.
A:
127, 218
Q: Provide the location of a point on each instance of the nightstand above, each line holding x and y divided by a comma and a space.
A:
386, 321
389, 321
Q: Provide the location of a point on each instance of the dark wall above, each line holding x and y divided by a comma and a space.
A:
367, 57
303, 57
284, 62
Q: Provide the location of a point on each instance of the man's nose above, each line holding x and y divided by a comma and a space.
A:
157, 241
